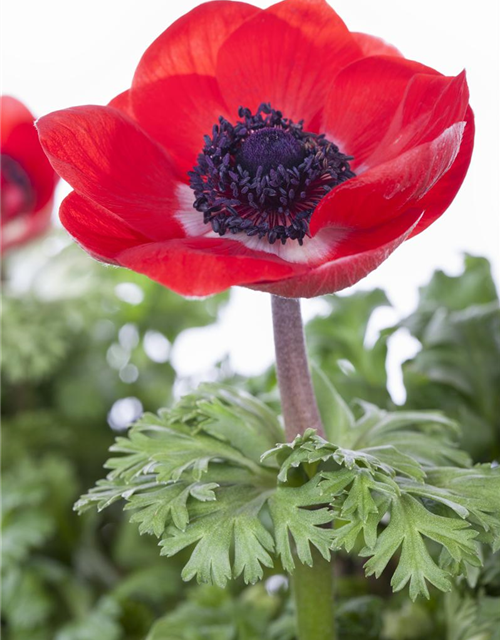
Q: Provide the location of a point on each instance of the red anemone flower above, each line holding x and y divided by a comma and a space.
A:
28, 180
272, 149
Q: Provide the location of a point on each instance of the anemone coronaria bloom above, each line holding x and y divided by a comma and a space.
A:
28, 180
268, 148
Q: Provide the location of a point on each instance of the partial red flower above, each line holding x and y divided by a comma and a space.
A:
28, 180
272, 149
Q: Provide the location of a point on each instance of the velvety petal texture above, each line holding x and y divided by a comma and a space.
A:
28, 180
406, 130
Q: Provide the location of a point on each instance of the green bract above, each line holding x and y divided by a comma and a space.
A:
209, 475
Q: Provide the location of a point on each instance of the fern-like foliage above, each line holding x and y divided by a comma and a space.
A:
453, 507
208, 475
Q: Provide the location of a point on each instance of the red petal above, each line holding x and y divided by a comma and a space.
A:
363, 101
123, 102
174, 94
12, 114
287, 55
19, 140
204, 266
106, 157
178, 112
100, 232
373, 46
355, 258
431, 105
192, 43
439, 198
387, 190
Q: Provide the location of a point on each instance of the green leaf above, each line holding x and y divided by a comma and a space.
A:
475, 286
337, 418
232, 521
409, 522
337, 343
292, 516
155, 508
458, 368
310, 448
191, 476
231, 415
428, 437
476, 489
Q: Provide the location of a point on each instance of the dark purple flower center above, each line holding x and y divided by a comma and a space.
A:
264, 176
269, 148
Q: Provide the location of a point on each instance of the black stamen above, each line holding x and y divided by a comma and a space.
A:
264, 176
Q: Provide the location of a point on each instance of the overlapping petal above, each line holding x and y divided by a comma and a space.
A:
254, 62
191, 44
107, 158
169, 110
361, 252
99, 231
439, 198
363, 101
123, 102
203, 266
387, 190
430, 105
175, 96
373, 46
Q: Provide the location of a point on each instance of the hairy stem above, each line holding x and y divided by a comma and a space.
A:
298, 401
312, 586
313, 591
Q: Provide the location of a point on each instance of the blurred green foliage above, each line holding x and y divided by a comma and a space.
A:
457, 370
73, 343
337, 343
81, 337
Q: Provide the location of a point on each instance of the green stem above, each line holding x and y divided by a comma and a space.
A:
312, 586
313, 591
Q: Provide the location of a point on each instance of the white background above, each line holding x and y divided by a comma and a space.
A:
59, 53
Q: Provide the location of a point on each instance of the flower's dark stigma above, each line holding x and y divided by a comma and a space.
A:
264, 176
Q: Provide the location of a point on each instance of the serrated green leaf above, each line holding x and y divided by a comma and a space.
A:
154, 509
293, 517
429, 438
394, 459
231, 415
233, 521
409, 522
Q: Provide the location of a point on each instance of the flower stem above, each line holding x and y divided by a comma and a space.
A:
312, 586
298, 401
313, 592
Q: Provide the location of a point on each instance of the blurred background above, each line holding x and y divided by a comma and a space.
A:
87, 348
